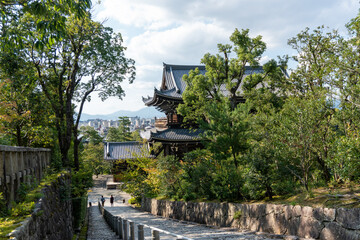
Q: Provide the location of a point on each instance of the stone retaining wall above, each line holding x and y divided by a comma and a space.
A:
52, 217
18, 165
304, 222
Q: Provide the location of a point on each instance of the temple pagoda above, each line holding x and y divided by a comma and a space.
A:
176, 139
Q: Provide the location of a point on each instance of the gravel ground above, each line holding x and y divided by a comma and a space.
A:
97, 230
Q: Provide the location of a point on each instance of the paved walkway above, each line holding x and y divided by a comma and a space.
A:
97, 230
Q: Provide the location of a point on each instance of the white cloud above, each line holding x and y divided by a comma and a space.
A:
181, 32
136, 13
184, 44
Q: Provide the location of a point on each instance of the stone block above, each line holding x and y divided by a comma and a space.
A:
293, 225
288, 212
334, 231
348, 218
279, 209
309, 228
273, 223
304, 222
307, 212
251, 224
297, 211
324, 214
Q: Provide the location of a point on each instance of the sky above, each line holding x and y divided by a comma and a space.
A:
182, 31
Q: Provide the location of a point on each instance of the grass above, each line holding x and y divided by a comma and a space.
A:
345, 195
20, 211
334, 196
7, 225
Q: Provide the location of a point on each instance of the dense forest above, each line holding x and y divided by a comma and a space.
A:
298, 129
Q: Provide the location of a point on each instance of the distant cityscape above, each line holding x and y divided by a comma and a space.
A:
102, 126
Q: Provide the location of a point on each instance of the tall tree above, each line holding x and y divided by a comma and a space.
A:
41, 22
93, 158
90, 134
24, 113
348, 75
124, 128
302, 123
113, 135
121, 133
212, 99
87, 57
104, 62
314, 78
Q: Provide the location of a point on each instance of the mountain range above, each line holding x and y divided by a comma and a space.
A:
147, 112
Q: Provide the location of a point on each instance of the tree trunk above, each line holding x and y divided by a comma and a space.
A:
68, 133
18, 136
76, 150
325, 170
63, 149
269, 192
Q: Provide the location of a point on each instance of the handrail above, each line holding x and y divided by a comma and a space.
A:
120, 226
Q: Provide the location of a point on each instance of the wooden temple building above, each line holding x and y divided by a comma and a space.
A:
175, 140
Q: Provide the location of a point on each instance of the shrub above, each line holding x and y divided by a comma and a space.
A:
22, 209
3, 207
237, 215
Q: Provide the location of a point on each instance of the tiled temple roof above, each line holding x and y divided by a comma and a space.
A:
177, 135
124, 150
172, 87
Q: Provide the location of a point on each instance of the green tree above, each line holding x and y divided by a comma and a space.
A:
24, 114
221, 73
169, 168
135, 136
141, 177
206, 101
347, 78
314, 79
124, 129
93, 159
227, 131
50, 14
104, 61
25, 117
113, 135
86, 49
316, 61
121, 133
91, 135
29, 29
302, 125
266, 98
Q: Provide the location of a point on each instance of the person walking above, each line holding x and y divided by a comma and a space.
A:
111, 200
102, 200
